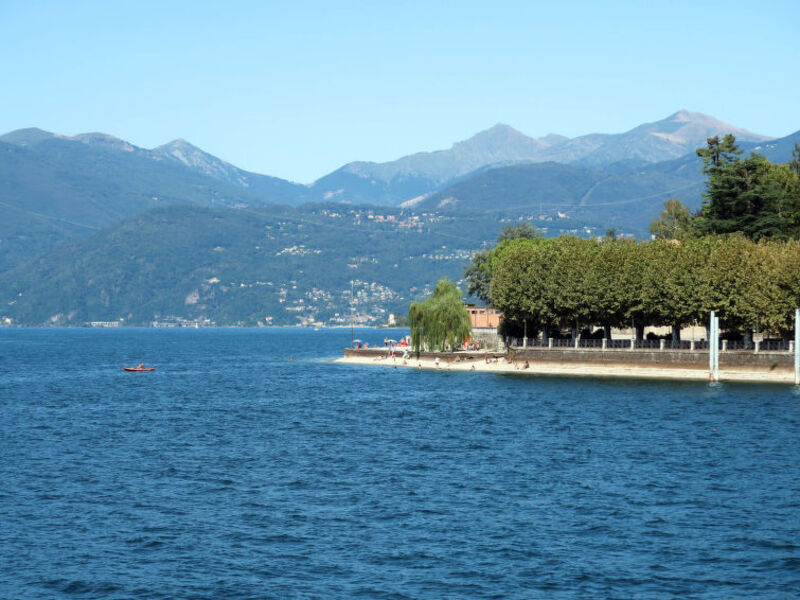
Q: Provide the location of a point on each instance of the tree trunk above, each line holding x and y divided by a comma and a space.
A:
676, 333
607, 331
639, 333
545, 336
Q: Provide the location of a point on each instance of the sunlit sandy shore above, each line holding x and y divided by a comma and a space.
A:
576, 369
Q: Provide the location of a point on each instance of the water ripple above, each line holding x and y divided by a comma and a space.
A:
230, 472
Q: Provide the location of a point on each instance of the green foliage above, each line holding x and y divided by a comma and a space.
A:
570, 283
673, 223
441, 321
794, 164
718, 152
479, 271
516, 232
479, 276
753, 196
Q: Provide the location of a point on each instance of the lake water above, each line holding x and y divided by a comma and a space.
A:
233, 472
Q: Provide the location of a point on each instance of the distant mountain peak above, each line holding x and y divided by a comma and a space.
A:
502, 128
187, 153
498, 132
179, 150
27, 136
691, 123
96, 138
687, 115
178, 143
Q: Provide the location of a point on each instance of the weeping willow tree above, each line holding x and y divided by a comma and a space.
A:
441, 320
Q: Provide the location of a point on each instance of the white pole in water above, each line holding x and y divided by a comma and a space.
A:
716, 348
797, 346
711, 347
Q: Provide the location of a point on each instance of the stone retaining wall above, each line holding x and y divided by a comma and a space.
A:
675, 358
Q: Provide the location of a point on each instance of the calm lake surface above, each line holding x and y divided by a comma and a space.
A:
232, 472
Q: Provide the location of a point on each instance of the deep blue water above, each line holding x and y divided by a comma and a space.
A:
233, 472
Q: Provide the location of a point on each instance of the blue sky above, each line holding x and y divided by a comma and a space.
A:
297, 89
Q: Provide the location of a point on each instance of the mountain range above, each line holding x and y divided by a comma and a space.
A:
409, 177
81, 213
412, 177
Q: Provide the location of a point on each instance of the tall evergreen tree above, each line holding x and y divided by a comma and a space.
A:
752, 196
718, 152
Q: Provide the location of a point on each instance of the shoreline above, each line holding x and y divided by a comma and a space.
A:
574, 369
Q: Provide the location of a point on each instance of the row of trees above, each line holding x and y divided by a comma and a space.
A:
738, 255
571, 283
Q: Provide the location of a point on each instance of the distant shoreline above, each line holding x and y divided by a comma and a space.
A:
570, 369
310, 327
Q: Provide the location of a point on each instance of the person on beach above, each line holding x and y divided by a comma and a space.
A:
436, 362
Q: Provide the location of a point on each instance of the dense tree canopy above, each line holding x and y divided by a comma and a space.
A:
479, 271
571, 283
673, 223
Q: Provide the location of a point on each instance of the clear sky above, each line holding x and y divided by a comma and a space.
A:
296, 89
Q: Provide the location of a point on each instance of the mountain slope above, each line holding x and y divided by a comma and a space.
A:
627, 200
236, 266
779, 150
53, 189
268, 189
673, 137
418, 174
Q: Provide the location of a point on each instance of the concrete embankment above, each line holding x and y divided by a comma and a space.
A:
773, 367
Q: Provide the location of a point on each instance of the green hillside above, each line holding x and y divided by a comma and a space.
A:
237, 266
625, 199
56, 190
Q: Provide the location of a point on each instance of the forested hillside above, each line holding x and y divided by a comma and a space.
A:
273, 266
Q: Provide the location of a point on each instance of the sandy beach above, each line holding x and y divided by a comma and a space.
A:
576, 369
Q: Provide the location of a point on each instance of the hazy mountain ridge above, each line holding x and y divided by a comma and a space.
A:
423, 173
679, 134
268, 189
55, 189
93, 230
625, 195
